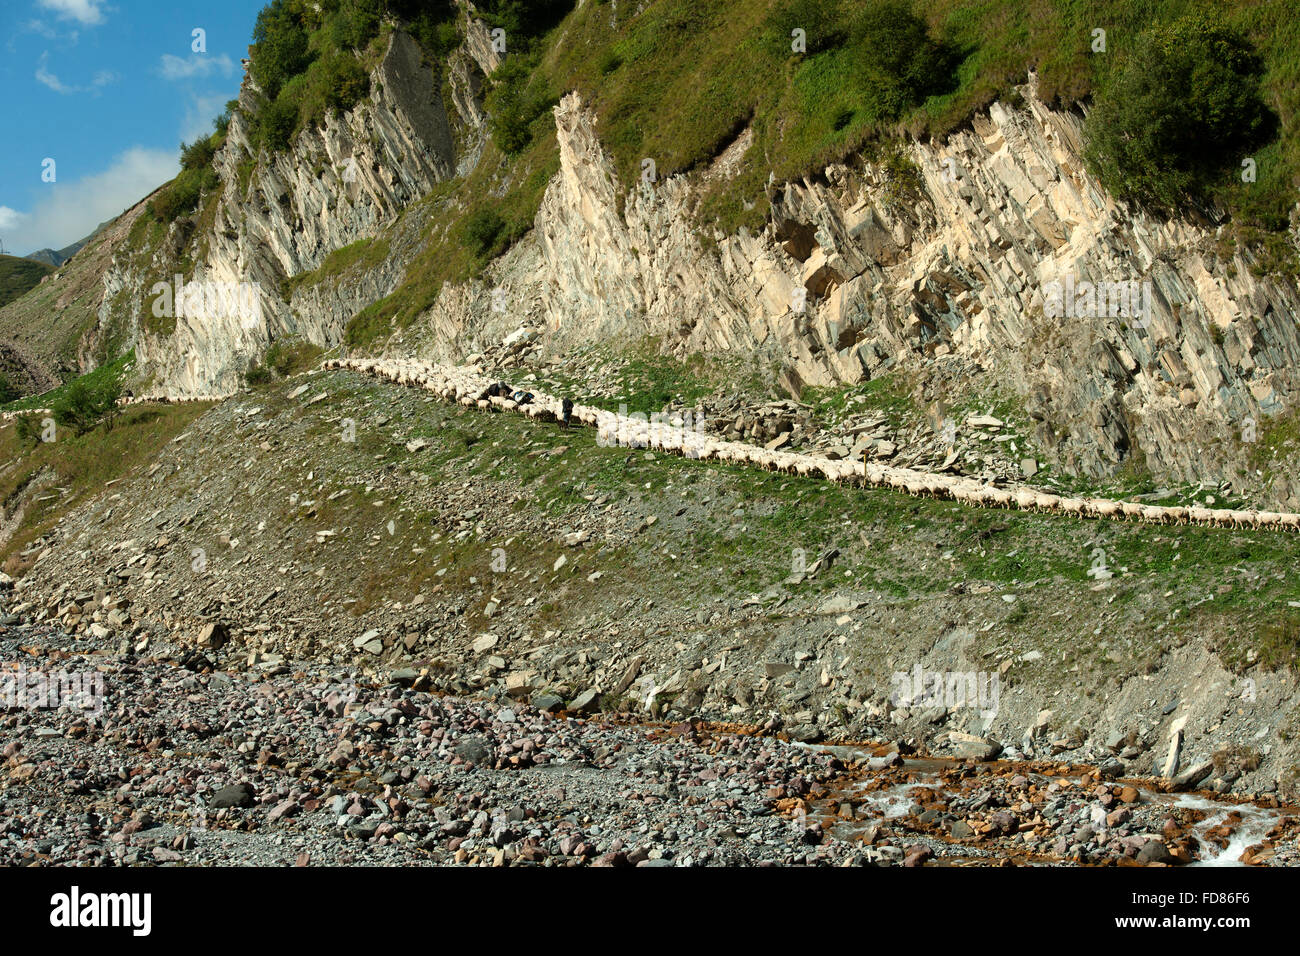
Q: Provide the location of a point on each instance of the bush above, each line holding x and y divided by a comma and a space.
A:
1176, 113
482, 228
258, 374
895, 63
335, 81
344, 81
446, 37
28, 429
278, 121
431, 22
524, 19
609, 61
513, 106
82, 406
222, 122
819, 19
280, 50
8, 392
181, 196
360, 19
291, 357
198, 154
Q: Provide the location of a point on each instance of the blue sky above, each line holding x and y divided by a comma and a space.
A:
107, 89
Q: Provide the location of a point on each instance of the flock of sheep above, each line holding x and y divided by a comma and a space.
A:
122, 403
467, 388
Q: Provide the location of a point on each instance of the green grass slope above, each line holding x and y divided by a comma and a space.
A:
17, 276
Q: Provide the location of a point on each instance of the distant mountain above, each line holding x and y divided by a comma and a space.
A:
19, 275
48, 257
57, 257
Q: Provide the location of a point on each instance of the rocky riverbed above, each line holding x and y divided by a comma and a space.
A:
180, 763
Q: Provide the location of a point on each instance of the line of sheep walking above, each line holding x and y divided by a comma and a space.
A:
123, 402
10, 416
466, 387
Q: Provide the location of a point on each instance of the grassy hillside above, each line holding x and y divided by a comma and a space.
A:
684, 537
17, 276
676, 81
52, 321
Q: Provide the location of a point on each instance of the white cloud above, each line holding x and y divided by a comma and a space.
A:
43, 75
10, 218
68, 211
86, 12
199, 64
47, 31
199, 114
49, 79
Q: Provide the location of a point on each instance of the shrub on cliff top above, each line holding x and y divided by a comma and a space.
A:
1178, 114
895, 62
821, 21
280, 48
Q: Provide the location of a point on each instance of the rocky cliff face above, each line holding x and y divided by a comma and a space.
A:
951, 275
341, 182
945, 270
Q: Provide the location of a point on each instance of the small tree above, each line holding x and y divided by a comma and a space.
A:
895, 62
277, 122
1177, 111
514, 104
110, 393
198, 154
82, 406
28, 429
280, 47
819, 19
482, 229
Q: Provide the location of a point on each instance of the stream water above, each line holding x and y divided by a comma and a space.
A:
1223, 833
1254, 823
